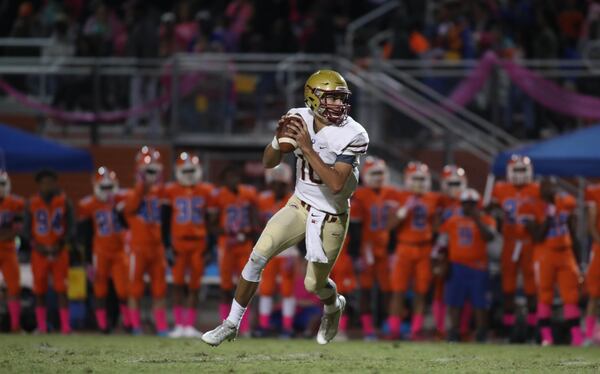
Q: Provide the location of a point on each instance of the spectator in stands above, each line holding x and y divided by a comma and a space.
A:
101, 27
239, 13
27, 24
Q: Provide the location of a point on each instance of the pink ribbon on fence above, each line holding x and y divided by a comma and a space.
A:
187, 84
544, 91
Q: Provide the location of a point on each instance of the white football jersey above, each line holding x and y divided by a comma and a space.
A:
347, 141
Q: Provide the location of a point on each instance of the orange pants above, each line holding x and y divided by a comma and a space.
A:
378, 270
152, 262
110, 265
42, 266
343, 274
510, 268
9, 265
592, 278
413, 263
232, 260
283, 266
192, 261
554, 266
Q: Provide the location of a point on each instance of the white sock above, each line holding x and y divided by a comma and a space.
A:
236, 313
333, 307
289, 306
265, 305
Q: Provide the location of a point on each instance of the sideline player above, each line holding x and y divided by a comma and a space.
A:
416, 219
329, 145
141, 209
50, 222
551, 221
517, 246
184, 233
592, 280
369, 237
466, 234
11, 217
100, 230
279, 180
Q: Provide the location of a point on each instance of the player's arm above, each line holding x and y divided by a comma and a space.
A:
593, 222
134, 199
572, 224
85, 235
487, 232
355, 233
272, 155
12, 228
166, 213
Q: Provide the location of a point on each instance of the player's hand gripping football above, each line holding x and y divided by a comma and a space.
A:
299, 131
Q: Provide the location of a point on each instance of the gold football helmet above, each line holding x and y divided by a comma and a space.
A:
327, 84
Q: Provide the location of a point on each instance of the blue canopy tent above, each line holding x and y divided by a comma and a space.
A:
23, 152
570, 155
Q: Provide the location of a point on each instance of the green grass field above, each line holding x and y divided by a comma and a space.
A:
117, 354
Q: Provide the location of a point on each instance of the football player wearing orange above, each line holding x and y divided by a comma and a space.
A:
454, 182
592, 280
141, 210
100, 230
233, 216
465, 236
551, 222
517, 247
50, 225
416, 220
11, 217
369, 237
184, 233
279, 180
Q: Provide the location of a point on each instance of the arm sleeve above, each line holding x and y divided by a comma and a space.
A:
166, 213
70, 222
27, 223
85, 236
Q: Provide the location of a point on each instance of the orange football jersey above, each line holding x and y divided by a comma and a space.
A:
234, 208
510, 199
48, 220
558, 235
108, 232
417, 227
10, 206
189, 203
592, 196
142, 213
268, 206
466, 245
372, 208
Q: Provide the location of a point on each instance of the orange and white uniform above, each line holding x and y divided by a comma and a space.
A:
108, 246
283, 264
235, 245
592, 280
11, 207
188, 230
414, 241
517, 248
372, 208
50, 227
466, 245
554, 258
143, 213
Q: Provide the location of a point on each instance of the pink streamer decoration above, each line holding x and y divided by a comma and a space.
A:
543, 91
187, 83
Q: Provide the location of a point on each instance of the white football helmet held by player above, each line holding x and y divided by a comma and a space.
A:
417, 177
149, 165
519, 170
105, 183
454, 181
4, 184
375, 172
188, 170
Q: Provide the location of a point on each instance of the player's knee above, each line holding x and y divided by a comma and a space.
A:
254, 267
323, 290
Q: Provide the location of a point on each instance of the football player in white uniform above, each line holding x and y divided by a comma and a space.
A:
327, 156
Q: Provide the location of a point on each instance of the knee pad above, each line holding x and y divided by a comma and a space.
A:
329, 290
254, 267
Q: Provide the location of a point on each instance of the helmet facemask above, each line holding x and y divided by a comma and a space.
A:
104, 191
333, 105
152, 173
519, 175
188, 175
375, 178
453, 187
418, 183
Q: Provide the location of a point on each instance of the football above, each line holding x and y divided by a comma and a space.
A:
286, 142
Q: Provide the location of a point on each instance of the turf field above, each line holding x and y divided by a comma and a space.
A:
117, 354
